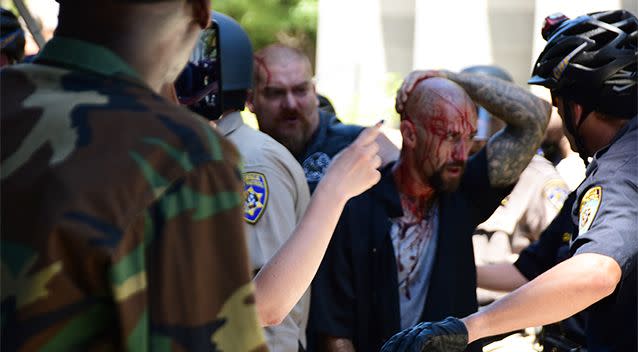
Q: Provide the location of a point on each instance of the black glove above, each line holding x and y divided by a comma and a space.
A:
449, 335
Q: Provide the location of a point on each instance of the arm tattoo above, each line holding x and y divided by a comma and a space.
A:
510, 150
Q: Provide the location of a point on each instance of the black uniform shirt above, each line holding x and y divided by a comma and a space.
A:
606, 212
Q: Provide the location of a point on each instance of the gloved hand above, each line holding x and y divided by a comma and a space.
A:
449, 335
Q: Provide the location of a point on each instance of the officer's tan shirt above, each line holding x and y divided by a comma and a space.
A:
532, 205
271, 213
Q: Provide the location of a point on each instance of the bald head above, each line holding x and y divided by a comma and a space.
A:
435, 97
438, 124
279, 55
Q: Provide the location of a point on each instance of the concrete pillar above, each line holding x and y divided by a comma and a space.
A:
451, 34
351, 63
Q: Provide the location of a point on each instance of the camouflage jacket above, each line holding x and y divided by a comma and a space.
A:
121, 219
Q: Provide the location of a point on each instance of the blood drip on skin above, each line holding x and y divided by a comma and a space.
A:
441, 125
417, 197
261, 64
428, 154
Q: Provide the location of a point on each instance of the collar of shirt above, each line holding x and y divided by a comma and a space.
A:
229, 123
85, 56
386, 190
630, 126
325, 119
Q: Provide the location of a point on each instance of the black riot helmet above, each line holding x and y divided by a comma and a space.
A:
223, 57
591, 60
487, 125
11, 36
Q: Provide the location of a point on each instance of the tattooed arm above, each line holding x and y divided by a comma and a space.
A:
510, 150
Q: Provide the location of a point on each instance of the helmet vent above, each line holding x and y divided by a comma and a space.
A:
583, 28
601, 39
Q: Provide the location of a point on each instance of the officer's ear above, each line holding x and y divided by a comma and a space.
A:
408, 132
577, 112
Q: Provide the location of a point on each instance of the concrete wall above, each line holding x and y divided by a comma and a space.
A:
365, 47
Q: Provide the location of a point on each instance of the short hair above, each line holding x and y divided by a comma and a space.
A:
426, 96
275, 54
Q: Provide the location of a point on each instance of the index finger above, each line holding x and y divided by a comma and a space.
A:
369, 134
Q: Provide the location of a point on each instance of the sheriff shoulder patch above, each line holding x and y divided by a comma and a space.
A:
556, 192
589, 206
255, 196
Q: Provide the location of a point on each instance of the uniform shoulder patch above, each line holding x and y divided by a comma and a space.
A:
556, 192
589, 205
255, 196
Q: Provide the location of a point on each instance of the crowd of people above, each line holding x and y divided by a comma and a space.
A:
139, 211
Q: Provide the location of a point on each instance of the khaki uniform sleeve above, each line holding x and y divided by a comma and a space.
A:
287, 199
512, 208
285, 202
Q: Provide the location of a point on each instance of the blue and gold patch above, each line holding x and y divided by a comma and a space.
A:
255, 196
588, 208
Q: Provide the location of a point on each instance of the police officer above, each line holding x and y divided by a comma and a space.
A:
275, 191
551, 249
589, 64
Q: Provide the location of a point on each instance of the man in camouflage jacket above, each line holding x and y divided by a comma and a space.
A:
121, 220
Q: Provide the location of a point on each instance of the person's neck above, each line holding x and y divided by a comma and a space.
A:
148, 71
417, 196
600, 132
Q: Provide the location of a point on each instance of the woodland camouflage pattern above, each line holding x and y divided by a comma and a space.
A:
121, 220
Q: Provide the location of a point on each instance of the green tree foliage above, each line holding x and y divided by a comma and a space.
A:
292, 22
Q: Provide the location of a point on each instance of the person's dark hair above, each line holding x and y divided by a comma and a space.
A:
234, 99
592, 61
11, 36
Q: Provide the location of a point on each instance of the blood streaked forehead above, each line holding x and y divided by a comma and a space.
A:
442, 107
278, 62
